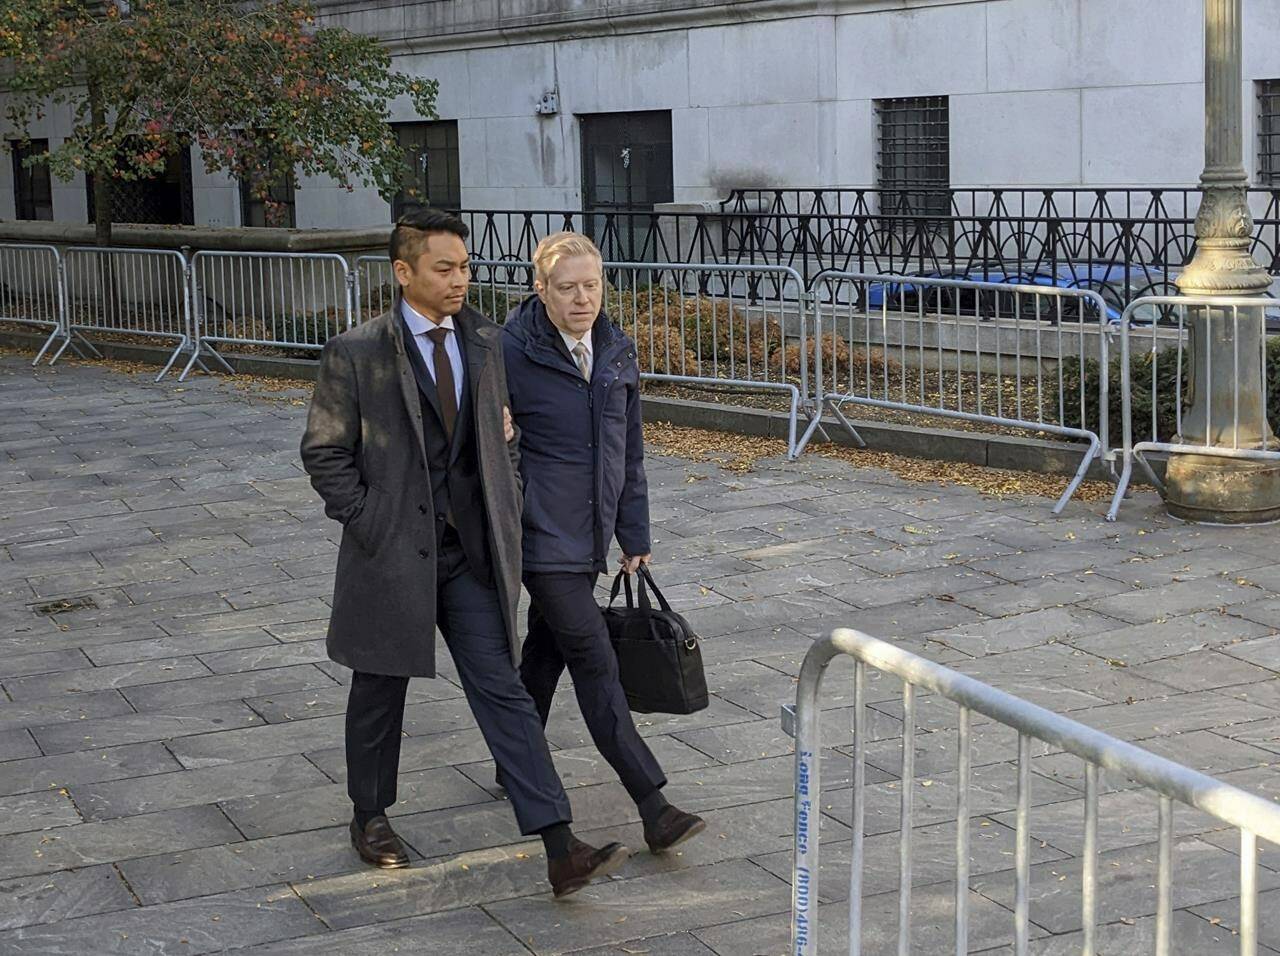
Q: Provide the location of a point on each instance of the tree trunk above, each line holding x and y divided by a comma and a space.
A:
101, 181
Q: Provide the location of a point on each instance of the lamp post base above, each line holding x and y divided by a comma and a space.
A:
1204, 488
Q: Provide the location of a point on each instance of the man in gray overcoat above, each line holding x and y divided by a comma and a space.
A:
410, 445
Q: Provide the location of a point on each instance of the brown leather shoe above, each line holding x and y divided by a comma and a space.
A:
583, 864
672, 828
378, 844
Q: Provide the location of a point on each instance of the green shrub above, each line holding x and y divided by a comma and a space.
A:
1144, 365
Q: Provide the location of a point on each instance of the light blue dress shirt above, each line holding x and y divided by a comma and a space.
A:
419, 324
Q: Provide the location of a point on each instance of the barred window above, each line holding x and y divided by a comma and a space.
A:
278, 209
32, 187
430, 174
914, 167
1269, 132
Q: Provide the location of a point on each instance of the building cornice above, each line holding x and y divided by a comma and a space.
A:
432, 26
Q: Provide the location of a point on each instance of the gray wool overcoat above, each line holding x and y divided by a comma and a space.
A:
364, 451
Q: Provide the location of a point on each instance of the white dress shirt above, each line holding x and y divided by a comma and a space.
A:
419, 325
571, 343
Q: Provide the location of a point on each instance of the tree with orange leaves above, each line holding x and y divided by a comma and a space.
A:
259, 89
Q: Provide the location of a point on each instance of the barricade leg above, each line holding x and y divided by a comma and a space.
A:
191, 363
848, 425
204, 348
1074, 483
70, 342
44, 348
814, 426
1122, 485
173, 357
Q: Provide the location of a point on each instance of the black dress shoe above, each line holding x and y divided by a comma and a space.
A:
584, 863
672, 828
378, 844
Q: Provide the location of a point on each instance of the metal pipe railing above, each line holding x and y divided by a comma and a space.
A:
1254, 816
991, 352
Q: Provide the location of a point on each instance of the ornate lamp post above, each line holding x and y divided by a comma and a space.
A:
1200, 487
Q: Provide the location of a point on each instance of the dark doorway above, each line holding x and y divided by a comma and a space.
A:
626, 169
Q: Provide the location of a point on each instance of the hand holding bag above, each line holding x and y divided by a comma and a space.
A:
659, 660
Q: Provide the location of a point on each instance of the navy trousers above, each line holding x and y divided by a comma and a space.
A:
470, 618
566, 629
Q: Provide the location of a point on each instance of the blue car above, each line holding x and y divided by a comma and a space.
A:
1109, 281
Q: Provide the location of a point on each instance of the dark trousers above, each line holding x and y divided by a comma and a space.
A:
566, 629
470, 618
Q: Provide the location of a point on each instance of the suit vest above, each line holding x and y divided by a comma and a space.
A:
453, 467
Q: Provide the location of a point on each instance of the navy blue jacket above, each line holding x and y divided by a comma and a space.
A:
581, 446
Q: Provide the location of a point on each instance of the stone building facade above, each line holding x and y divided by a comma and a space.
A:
557, 104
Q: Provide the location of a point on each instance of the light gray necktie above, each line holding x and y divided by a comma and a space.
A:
580, 356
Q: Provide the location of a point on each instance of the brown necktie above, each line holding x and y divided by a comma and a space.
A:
444, 379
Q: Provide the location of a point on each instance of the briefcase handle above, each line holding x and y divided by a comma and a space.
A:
624, 580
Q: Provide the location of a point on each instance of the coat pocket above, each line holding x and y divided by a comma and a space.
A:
368, 527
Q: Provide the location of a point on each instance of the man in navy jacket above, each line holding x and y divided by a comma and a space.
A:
575, 393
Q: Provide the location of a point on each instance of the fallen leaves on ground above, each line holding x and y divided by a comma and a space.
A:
740, 453
268, 383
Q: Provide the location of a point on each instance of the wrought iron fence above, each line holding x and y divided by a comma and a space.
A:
1253, 816
622, 236
1123, 244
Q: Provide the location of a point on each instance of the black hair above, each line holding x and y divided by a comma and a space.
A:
412, 229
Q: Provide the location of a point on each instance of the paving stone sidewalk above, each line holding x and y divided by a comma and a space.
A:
171, 766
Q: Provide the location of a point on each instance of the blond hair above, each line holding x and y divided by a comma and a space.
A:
561, 245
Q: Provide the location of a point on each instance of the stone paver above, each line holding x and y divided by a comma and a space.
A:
171, 764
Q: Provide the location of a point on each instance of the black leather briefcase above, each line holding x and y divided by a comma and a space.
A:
658, 655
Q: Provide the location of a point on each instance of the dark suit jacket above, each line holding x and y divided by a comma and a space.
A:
365, 452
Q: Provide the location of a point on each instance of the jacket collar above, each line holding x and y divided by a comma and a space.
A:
543, 343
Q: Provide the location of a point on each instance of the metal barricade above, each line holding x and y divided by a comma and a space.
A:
707, 326
1165, 324
374, 287
1006, 354
1253, 816
32, 291
497, 286
131, 293
278, 300
718, 326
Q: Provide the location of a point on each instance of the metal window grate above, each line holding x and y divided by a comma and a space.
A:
1269, 132
430, 176
32, 187
914, 166
627, 168
166, 199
